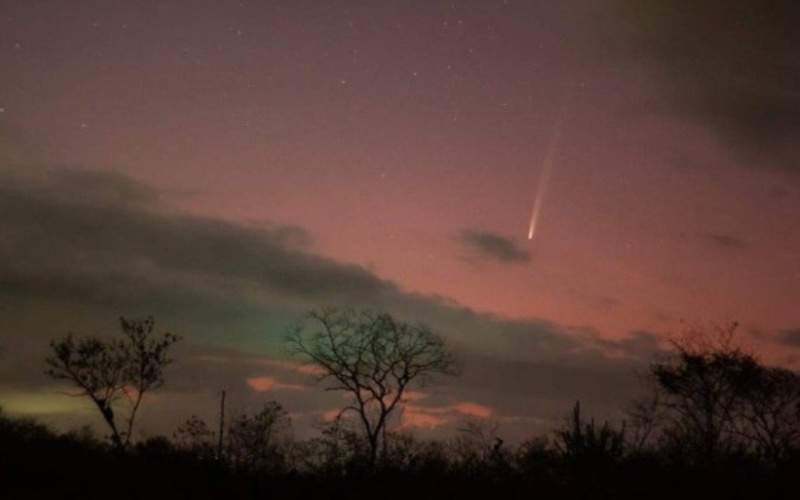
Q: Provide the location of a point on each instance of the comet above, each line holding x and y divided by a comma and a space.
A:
544, 179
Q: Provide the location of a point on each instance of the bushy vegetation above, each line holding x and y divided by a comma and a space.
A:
36, 462
718, 423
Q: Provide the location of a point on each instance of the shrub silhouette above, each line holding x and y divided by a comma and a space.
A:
718, 424
585, 444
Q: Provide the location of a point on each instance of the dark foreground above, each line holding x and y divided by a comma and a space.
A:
37, 463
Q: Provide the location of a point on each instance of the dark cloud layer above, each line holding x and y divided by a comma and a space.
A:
714, 240
731, 65
52, 236
724, 241
790, 337
490, 246
78, 248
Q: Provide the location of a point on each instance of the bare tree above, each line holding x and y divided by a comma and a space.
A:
196, 437
260, 442
339, 448
478, 445
712, 397
373, 357
769, 415
113, 371
645, 417
702, 386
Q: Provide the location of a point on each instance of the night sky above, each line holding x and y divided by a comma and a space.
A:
226, 166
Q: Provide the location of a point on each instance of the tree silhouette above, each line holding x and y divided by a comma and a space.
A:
196, 437
712, 398
478, 446
259, 442
373, 357
768, 418
110, 371
337, 450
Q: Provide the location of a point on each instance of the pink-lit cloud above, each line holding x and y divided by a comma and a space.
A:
421, 419
295, 366
266, 384
416, 415
471, 409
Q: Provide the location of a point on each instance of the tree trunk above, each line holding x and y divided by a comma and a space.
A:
108, 416
221, 426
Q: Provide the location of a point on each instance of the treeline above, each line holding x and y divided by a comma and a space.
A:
260, 460
715, 422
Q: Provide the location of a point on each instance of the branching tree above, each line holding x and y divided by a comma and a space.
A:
712, 398
702, 386
645, 418
478, 446
337, 450
114, 371
260, 442
196, 437
374, 358
769, 415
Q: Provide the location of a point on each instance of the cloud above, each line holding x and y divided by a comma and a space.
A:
724, 241
490, 246
417, 414
267, 384
640, 344
75, 260
413, 417
730, 65
56, 243
790, 337
472, 409
713, 240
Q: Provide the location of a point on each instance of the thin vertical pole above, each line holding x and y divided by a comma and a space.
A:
221, 425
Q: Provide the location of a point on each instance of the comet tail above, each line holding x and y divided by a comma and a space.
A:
547, 168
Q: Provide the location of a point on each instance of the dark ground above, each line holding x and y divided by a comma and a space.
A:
37, 463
